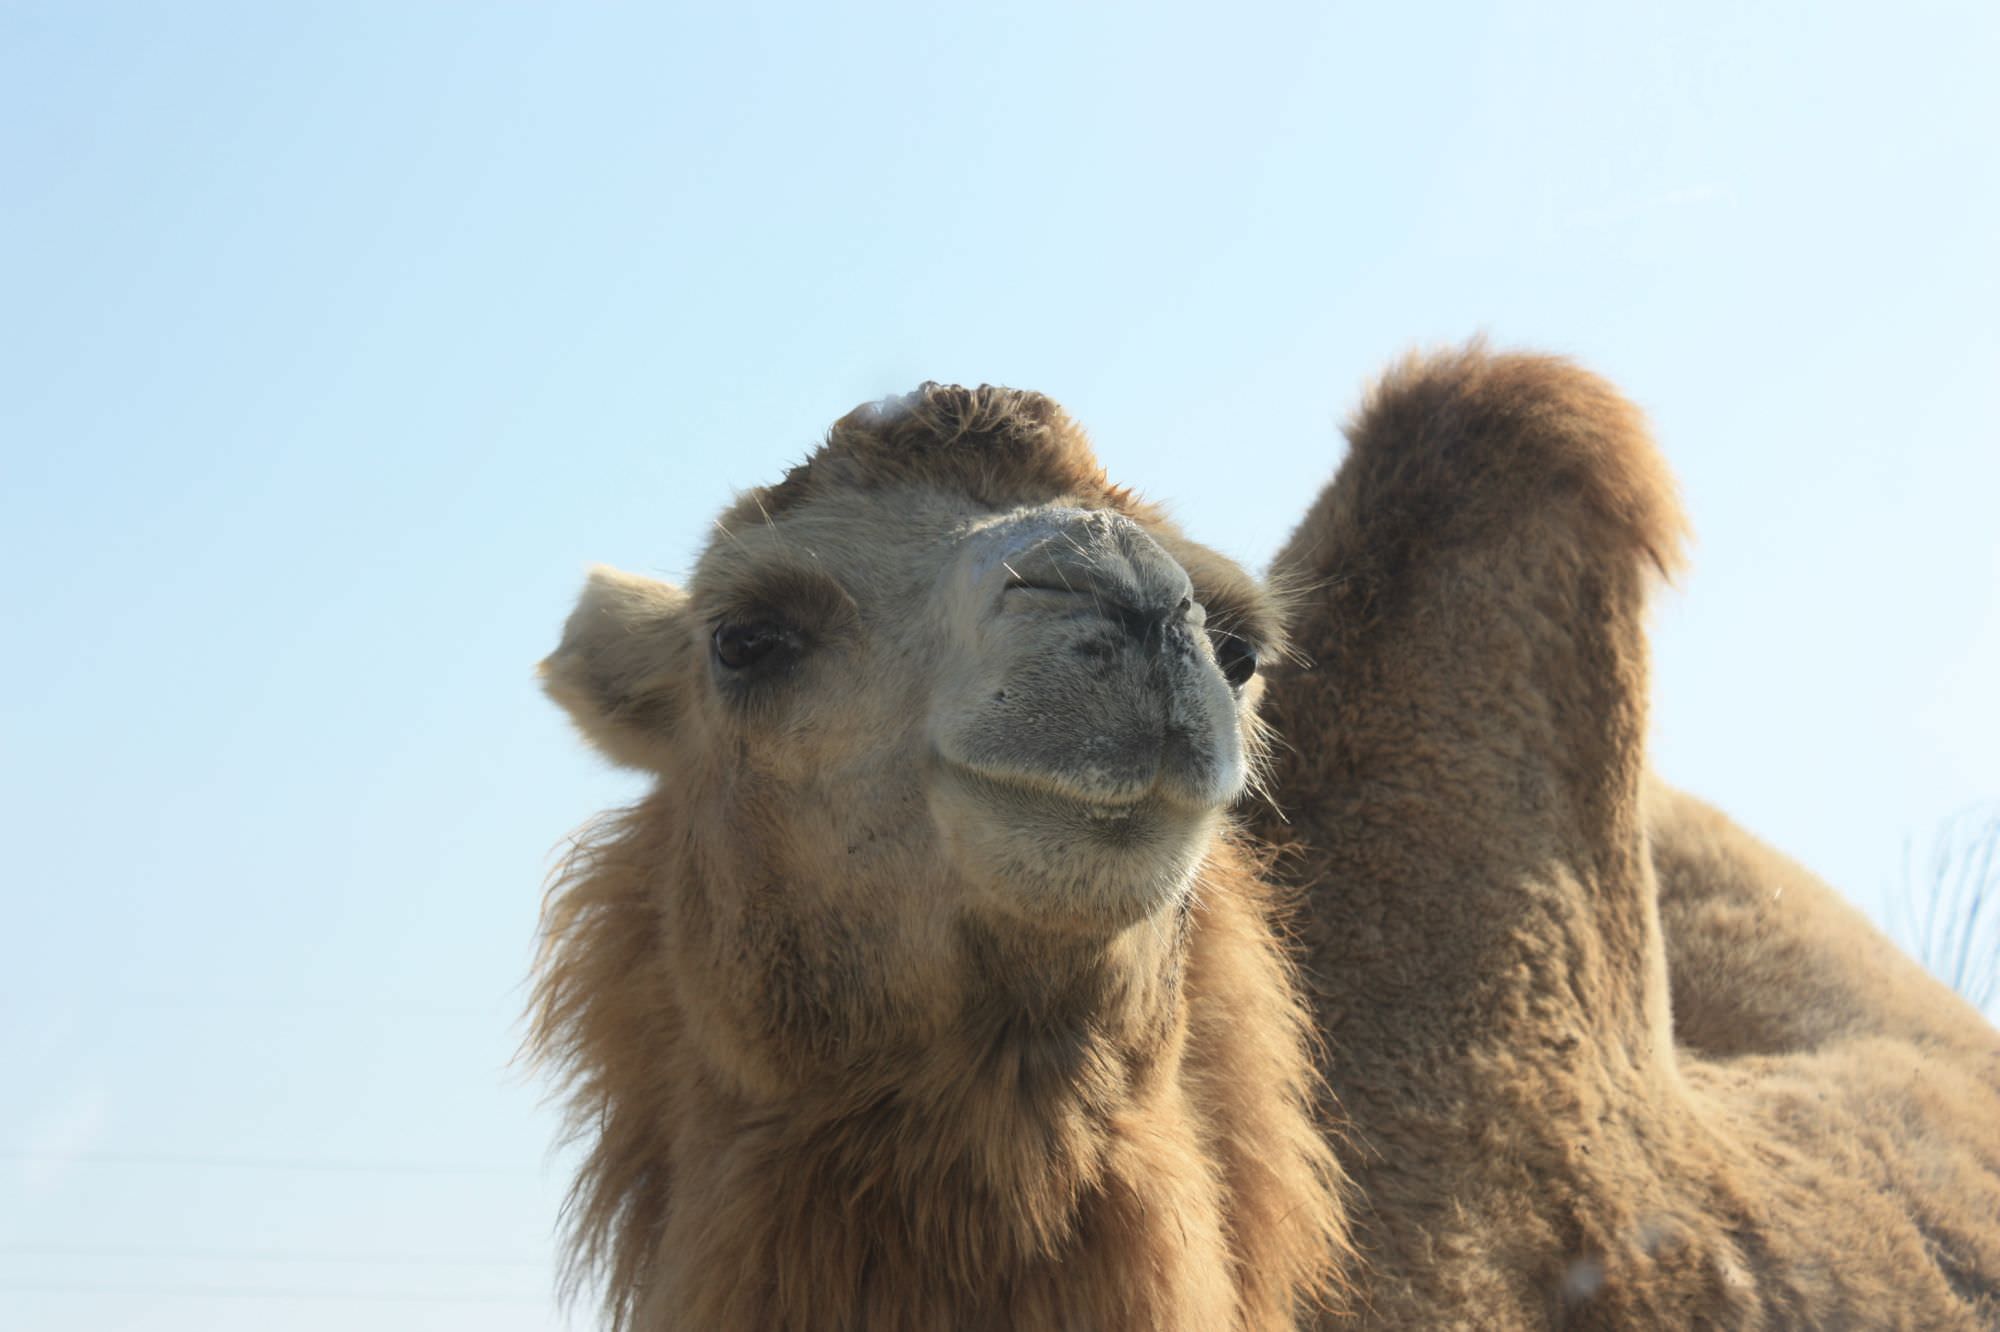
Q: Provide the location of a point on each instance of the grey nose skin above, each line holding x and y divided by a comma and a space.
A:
1110, 558
1084, 673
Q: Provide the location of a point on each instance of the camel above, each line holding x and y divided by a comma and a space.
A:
931, 987
1486, 866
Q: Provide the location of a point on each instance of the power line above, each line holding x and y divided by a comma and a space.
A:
255, 1163
262, 1256
373, 1006
276, 1293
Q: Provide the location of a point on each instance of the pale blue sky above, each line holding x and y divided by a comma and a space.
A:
338, 339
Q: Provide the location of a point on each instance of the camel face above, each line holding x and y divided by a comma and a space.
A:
1029, 698
952, 687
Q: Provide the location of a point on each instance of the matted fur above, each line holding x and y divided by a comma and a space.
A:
998, 445
1464, 770
1067, 1134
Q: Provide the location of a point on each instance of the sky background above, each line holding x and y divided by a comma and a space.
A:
337, 340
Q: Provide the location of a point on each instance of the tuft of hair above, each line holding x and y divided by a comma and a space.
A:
1280, 1154
999, 445
1463, 440
601, 1029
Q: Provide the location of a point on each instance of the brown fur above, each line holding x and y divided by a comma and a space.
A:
1463, 771
999, 446
1764, 958
802, 1110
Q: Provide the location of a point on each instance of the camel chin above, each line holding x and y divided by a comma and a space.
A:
1051, 859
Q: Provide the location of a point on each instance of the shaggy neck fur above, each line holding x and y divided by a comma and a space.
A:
1080, 1141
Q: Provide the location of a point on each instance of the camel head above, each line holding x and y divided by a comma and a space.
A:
943, 687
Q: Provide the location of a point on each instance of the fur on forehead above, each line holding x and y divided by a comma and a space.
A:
999, 446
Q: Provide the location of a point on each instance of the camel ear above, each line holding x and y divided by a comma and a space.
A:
621, 669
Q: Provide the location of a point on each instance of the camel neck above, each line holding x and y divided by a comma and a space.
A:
1080, 1146
904, 1211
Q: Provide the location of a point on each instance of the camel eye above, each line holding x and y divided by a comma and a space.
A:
1237, 656
738, 647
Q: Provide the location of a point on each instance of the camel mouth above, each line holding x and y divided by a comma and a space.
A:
1101, 731
1098, 796
1048, 853
1090, 759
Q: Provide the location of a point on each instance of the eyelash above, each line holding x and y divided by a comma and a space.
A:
743, 645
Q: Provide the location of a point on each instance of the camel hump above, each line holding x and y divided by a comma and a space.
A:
1468, 443
1003, 446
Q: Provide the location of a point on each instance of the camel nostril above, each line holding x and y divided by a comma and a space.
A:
1148, 623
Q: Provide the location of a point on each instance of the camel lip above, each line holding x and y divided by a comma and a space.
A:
1109, 808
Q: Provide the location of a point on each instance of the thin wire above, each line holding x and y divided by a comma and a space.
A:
251, 1163
141, 1000
259, 1256
275, 1293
